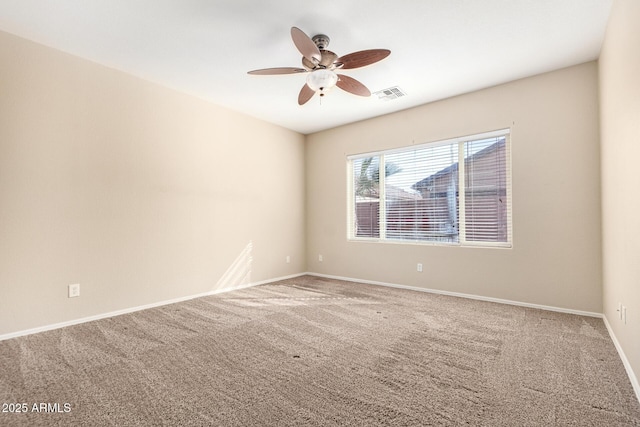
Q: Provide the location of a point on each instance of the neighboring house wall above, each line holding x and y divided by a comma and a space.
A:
620, 115
481, 206
137, 192
555, 259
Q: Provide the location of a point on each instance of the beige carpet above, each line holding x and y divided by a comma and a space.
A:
319, 352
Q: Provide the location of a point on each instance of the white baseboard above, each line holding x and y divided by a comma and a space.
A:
462, 295
627, 366
138, 308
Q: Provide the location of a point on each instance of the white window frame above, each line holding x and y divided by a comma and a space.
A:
462, 239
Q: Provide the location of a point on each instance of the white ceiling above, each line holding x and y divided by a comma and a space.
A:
439, 48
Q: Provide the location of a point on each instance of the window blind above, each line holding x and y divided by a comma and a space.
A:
420, 194
486, 198
413, 194
366, 196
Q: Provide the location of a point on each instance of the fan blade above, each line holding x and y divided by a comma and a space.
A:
305, 94
280, 70
362, 58
305, 45
351, 85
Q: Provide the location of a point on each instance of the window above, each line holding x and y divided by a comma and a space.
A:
417, 196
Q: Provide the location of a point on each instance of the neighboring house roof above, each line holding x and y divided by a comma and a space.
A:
397, 193
453, 169
391, 192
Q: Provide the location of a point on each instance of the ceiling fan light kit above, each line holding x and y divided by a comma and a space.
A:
322, 80
321, 65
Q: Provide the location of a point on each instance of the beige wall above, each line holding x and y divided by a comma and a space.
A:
556, 255
620, 114
137, 192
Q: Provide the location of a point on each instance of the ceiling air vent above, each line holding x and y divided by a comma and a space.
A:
390, 93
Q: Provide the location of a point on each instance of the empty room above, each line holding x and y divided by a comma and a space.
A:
338, 213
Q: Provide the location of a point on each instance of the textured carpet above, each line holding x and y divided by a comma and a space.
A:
319, 352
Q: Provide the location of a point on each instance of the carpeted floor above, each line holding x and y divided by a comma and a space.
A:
319, 352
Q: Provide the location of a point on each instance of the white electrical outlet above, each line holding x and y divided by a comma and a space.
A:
420, 267
74, 290
320, 258
288, 259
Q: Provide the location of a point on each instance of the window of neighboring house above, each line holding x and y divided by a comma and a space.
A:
417, 197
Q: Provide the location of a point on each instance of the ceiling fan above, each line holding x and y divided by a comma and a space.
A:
321, 65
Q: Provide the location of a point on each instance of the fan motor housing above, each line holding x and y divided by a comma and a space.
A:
328, 61
321, 40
